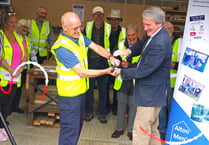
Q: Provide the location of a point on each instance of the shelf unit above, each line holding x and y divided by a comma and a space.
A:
177, 18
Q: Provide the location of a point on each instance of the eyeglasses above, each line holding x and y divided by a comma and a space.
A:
11, 14
98, 15
75, 28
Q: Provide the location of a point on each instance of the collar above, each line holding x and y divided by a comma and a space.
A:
73, 39
156, 32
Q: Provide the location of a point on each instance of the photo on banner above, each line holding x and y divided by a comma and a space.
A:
200, 113
194, 59
191, 88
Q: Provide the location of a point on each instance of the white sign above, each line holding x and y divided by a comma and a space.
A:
79, 10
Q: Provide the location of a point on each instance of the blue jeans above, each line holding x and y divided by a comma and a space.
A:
71, 111
165, 112
103, 86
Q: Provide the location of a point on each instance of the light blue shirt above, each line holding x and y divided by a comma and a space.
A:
65, 56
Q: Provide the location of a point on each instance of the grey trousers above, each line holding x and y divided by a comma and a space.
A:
124, 101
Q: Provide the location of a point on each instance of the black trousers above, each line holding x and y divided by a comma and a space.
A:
6, 102
19, 91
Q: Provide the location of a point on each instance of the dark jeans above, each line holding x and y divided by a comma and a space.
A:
103, 86
165, 112
114, 104
71, 111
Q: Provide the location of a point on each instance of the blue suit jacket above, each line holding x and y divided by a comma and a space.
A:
153, 72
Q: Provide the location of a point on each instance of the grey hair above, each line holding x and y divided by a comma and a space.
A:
132, 26
41, 8
155, 13
63, 20
22, 22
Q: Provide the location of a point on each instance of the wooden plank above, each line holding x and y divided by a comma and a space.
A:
51, 114
37, 121
42, 102
44, 119
57, 125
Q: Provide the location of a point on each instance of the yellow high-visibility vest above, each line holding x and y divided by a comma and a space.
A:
107, 32
69, 83
118, 79
173, 72
7, 54
39, 38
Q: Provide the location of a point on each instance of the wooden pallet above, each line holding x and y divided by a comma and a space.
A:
49, 119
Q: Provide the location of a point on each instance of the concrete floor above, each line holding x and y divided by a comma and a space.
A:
93, 133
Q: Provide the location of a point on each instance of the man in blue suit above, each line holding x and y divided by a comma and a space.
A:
152, 75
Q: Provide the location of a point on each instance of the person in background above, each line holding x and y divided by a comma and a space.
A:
41, 32
125, 88
22, 30
119, 35
165, 111
98, 31
13, 51
73, 75
151, 75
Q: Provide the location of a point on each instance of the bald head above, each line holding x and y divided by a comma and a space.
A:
69, 17
71, 24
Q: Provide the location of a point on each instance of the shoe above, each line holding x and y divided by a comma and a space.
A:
117, 134
102, 118
130, 135
18, 110
89, 117
4, 132
2, 136
114, 112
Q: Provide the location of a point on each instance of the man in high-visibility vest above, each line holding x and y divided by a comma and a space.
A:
165, 111
72, 75
119, 35
100, 32
41, 32
125, 88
